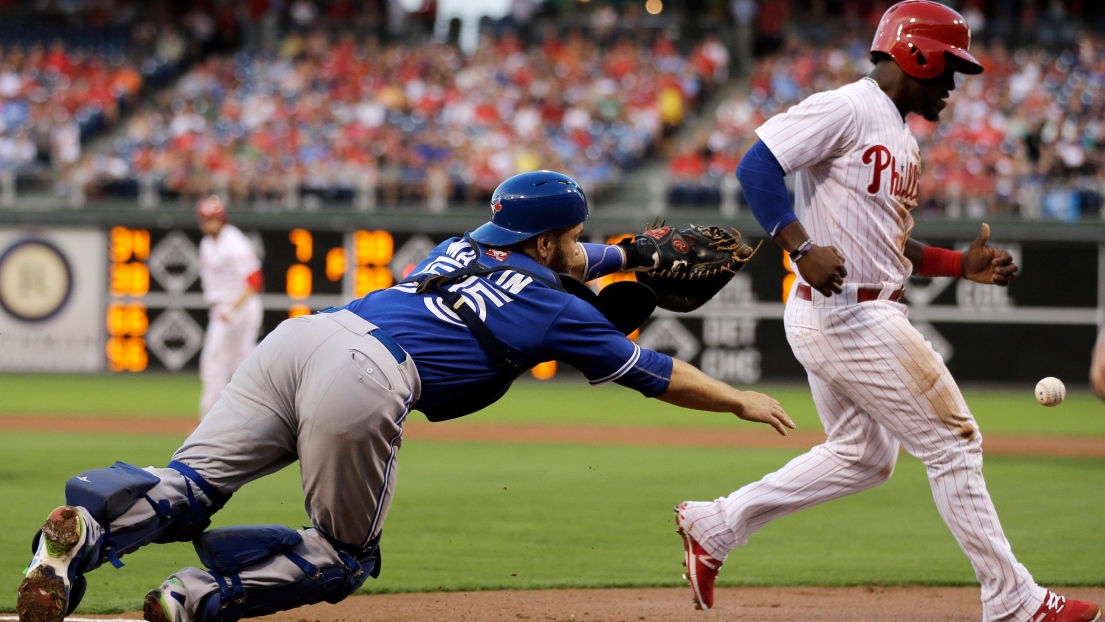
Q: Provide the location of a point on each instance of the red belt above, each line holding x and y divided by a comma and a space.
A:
862, 294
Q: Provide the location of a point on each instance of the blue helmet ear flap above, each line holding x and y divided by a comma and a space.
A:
532, 203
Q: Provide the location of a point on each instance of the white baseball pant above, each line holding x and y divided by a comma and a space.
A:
226, 344
878, 385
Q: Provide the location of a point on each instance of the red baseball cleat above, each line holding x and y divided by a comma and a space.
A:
702, 568
1058, 608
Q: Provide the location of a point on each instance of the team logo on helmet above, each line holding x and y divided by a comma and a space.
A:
496, 208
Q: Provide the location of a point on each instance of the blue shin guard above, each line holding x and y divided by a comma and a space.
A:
110, 493
229, 551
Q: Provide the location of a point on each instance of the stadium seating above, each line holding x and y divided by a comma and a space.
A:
1023, 139
327, 115
335, 116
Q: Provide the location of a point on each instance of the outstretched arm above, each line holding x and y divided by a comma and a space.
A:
692, 388
592, 261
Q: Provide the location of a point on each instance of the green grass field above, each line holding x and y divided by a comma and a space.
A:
494, 515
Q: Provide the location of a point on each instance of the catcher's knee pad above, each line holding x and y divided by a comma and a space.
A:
230, 551
110, 493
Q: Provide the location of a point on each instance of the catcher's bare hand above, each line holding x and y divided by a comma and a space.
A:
762, 408
988, 265
823, 268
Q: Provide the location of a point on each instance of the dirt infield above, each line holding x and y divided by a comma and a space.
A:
568, 434
859, 604
797, 604
852, 604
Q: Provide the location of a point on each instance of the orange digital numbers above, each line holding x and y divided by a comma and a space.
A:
304, 244
121, 244
127, 322
373, 248
299, 282
370, 278
130, 279
372, 252
335, 264
127, 244
140, 244
126, 354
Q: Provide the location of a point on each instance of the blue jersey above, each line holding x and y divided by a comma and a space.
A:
530, 315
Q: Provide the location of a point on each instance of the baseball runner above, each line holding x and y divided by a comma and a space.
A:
332, 390
230, 275
878, 385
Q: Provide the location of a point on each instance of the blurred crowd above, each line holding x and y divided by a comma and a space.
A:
1025, 138
325, 114
281, 101
52, 96
71, 70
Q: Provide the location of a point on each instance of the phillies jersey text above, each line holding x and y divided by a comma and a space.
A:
853, 157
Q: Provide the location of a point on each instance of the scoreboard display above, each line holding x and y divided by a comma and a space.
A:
129, 300
155, 315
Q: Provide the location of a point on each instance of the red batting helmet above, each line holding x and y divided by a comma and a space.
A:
211, 207
918, 34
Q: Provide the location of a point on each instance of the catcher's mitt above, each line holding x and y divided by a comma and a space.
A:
691, 265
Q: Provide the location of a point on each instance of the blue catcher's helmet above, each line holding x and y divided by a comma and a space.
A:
530, 204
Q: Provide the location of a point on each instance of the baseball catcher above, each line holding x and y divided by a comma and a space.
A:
686, 268
333, 389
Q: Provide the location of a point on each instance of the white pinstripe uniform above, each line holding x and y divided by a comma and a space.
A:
226, 262
877, 383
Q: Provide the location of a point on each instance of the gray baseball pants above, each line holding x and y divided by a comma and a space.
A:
320, 389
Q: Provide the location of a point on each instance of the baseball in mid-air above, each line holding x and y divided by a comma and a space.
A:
1050, 391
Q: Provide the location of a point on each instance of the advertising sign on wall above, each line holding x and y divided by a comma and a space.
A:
52, 285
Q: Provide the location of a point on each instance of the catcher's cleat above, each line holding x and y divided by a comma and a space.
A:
1056, 608
166, 603
702, 568
53, 587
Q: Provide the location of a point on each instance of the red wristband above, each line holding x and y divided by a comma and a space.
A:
256, 281
937, 261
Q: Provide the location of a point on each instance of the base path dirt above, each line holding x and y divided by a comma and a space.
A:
567, 434
796, 604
